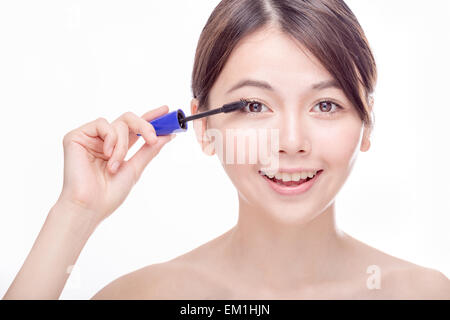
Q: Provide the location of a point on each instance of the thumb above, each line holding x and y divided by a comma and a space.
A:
145, 154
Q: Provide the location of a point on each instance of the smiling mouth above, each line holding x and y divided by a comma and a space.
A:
289, 183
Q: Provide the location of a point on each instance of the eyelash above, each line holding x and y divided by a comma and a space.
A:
253, 100
250, 101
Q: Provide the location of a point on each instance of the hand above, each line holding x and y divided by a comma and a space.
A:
96, 177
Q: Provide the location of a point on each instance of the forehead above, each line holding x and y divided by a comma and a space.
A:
271, 55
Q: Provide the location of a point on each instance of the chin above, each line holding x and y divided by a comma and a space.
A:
291, 214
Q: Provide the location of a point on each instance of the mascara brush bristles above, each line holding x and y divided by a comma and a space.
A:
224, 109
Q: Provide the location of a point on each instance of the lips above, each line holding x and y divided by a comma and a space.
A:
290, 183
291, 187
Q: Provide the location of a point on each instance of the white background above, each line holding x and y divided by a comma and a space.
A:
65, 63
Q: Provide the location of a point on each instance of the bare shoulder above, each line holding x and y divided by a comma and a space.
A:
188, 276
399, 279
146, 283
417, 282
174, 279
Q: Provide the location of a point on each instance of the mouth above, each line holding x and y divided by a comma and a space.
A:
289, 186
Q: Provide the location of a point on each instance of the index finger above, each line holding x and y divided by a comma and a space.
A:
153, 114
148, 116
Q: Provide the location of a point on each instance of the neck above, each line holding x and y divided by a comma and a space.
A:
279, 256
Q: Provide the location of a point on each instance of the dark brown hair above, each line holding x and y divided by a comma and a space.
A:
327, 28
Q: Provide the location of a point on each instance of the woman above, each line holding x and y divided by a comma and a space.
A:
309, 74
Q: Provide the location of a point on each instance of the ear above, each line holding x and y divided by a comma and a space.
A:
365, 143
200, 126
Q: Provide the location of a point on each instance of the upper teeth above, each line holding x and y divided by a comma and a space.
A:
290, 176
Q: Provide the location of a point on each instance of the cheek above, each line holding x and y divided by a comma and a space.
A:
239, 153
338, 144
238, 160
242, 141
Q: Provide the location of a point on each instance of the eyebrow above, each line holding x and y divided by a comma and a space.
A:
332, 83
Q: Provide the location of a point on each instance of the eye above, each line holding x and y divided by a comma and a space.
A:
254, 106
327, 106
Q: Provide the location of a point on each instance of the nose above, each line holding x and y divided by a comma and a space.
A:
294, 134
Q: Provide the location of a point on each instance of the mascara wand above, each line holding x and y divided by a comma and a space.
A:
176, 121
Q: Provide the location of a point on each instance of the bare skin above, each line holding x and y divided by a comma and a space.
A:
281, 247
207, 272
93, 189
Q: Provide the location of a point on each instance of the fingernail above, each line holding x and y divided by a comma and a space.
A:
114, 166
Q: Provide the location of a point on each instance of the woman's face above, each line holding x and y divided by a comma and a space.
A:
312, 135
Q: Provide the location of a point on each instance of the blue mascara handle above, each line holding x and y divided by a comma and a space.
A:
171, 122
